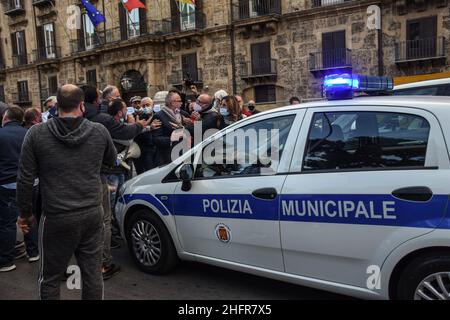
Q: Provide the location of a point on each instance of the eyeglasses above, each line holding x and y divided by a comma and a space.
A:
177, 100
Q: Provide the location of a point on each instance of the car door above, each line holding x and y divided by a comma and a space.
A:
362, 181
231, 211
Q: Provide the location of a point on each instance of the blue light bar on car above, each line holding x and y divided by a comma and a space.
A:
343, 86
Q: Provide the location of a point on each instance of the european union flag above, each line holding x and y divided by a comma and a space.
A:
95, 15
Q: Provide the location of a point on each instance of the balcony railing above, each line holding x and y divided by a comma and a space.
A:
324, 3
179, 77
195, 20
86, 43
430, 48
46, 53
20, 59
332, 59
13, 8
20, 97
42, 3
259, 68
246, 9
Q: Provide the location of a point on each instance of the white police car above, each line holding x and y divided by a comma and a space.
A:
354, 198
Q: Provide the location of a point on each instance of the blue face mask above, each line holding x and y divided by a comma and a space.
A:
224, 112
157, 108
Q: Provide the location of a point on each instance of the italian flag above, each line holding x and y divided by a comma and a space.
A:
133, 4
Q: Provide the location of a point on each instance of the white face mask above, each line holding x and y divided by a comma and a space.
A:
224, 112
197, 107
157, 108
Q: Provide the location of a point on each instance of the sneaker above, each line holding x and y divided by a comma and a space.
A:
110, 271
9, 267
33, 259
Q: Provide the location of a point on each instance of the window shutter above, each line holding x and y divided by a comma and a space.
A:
175, 14
81, 43
260, 58
123, 22
14, 43
143, 19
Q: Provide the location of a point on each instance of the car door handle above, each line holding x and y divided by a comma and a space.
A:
265, 193
421, 194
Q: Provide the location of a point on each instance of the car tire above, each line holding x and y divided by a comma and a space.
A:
150, 244
423, 269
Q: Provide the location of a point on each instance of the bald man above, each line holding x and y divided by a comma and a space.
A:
66, 154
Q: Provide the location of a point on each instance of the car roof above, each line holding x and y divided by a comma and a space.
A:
420, 84
423, 102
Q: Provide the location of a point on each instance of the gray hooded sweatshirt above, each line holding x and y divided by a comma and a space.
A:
66, 154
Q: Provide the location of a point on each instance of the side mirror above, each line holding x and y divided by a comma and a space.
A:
186, 174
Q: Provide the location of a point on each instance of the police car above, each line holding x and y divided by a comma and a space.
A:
352, 198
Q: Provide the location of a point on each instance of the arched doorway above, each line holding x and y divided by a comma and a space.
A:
132, 84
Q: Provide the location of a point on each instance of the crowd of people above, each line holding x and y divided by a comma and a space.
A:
61, 169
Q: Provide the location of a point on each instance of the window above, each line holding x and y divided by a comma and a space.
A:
357, 140
52, 85
49, 37
422, 37
254, 149
91, 77
265, 94
187, 16
333, 49
133, 24
189, 66
22, 87
19, 49
261, 61
89, 32
2, 93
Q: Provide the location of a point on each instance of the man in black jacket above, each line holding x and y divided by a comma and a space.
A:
206, 117
72, 221
11, 138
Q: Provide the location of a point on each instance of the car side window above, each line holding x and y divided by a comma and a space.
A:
358, 140
254, 149
420, 91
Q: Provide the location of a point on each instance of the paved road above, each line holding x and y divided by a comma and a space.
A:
187, 281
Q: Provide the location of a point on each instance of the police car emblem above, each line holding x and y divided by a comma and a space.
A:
223, 233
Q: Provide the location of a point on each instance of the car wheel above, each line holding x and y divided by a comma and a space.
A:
426, 278
150, 244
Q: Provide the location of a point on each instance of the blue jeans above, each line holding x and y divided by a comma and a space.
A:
8, 228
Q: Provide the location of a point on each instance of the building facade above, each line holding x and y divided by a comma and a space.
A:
267, 50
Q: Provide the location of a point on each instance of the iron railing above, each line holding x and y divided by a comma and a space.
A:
86, 43
20, 59
420, 49
259, 67
195, 20
46, 53
246, 9
13, 8
190, 75
324, 3
330, 59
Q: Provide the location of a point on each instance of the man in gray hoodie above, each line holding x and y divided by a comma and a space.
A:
66, 154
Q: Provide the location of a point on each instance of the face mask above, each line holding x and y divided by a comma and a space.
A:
147, 110
224, 112
157, 108
197, 107
251, 107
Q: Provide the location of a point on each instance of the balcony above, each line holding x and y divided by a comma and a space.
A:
324, 62
420, 50
180, 77
153, 27
13, 8
195, 20
325, 3
43, 3
248, 9
21, 98
86, 43
20, 59
259, 69
46, 53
